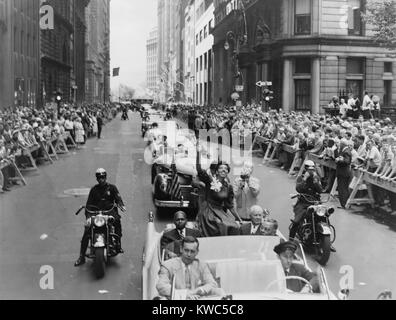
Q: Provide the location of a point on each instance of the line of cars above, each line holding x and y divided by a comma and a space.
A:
245, 267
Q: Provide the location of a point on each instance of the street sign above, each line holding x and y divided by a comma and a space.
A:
264, 84
238, 88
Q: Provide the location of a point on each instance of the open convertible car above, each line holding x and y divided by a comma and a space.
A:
173, 170
245, 268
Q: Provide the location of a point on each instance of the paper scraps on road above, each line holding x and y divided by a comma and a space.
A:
43, 236
103, 291
362, 284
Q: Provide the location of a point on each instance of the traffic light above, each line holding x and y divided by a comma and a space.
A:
268, 95
58, 99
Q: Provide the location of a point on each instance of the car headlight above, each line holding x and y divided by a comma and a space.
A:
99, 222
321, 211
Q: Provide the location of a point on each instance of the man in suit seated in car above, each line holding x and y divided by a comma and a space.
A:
257, 215
188, 273
269, 227
171, 240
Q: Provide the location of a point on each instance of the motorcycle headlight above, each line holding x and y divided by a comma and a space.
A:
321, 211
99, 222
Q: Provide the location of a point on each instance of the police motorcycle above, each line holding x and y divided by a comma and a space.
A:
125, 114
315, 231
104, 241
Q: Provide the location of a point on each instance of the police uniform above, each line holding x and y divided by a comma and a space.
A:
297, 270
103, 198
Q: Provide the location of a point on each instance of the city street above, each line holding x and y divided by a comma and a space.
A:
38, 226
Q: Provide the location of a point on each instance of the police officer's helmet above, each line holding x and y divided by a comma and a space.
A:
101, 173
309, 165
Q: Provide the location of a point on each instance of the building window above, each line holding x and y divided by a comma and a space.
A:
303, 95
387, 93
303, 17
355, 65
200, 36
200, 63
303, 66
206, 61
355, 8
15, 40
355, 87
197, 39
205, 32
388, 67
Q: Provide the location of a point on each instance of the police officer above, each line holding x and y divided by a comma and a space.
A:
310, 186
285, 252
102, 197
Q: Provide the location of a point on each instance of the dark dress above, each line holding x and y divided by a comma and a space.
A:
215, 217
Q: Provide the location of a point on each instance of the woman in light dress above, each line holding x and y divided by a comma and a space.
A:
79, 131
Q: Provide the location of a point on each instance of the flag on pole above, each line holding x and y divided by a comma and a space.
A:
173, 188
116, 72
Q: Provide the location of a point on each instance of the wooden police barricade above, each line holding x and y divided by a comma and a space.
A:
68, 137
325, 163
46, 156
268, 154
50, 148
368, 179
259, 140
297, 155
277, 145
60, 145
18, 177
27, 152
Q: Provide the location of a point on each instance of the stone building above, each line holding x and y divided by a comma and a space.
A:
152, 65
19, 53
57, 53
80, 29
97, 42
311, 50
203, 52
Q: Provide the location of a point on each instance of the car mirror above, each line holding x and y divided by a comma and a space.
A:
344, 294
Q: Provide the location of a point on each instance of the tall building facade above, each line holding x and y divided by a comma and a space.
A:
19, 53
152, 63
80, 29
203, 52
57, 53
166, 56
311, 50
189, 52
97, 43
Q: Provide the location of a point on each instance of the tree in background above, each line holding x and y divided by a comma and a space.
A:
382, 16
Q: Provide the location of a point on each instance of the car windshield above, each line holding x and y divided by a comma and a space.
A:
244, 265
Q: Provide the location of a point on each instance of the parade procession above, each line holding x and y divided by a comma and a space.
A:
197, 151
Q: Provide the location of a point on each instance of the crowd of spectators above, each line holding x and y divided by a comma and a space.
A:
370, 140
25, 129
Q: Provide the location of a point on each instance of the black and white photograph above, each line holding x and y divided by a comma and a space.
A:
197, 151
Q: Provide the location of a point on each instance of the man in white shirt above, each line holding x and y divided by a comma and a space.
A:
366, 106
188, 273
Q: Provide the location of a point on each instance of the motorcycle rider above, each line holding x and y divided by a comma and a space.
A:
102, 196
308, 184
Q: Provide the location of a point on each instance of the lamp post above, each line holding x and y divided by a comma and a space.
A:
235, 54
230, 36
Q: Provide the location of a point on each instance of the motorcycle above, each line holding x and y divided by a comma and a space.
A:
103, 241
315, 231
124, 116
